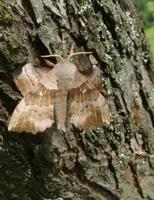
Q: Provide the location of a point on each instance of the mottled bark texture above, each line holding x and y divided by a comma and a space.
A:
116, 162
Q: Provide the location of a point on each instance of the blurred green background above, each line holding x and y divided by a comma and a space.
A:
146, 9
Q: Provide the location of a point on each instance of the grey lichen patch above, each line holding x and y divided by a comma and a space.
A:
115, 132
105, 3
92, 25
107, 90
131, 23
6, 17
124, 155
97, 33
131, 131
85, 8
118, 29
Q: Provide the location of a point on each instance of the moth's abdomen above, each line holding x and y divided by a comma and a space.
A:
61, 109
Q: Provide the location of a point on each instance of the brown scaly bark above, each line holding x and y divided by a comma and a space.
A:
104, 163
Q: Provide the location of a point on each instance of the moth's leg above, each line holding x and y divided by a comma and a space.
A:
49, 63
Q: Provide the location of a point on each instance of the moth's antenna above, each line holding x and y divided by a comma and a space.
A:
78, 53
48, 56
71, 50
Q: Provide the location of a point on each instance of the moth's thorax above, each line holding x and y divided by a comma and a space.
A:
65, 65
65, 71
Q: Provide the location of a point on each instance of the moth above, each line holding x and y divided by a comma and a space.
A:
61, 94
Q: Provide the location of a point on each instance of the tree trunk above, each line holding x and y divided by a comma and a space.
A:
115, 162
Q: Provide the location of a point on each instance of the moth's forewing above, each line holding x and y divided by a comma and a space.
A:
88, 107
29, 77
34, 113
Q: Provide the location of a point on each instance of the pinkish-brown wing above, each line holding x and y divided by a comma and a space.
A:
34, 113
29, 77
88, 107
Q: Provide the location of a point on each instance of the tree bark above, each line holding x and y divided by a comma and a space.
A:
114, 162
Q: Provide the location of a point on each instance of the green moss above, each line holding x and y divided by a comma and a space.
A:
5, 15
150, 33
15, 41
13, 51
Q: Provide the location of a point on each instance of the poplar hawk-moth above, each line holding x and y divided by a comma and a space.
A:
62, 95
